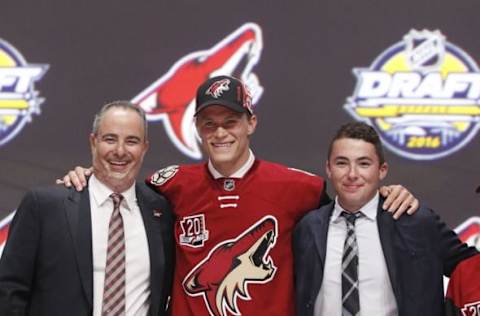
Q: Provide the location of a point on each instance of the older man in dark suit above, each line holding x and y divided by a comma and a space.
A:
107, 250
352, 258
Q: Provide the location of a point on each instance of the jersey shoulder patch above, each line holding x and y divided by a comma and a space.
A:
163, 175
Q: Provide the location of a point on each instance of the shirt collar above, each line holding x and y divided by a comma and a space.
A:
369, 210
101, 193
237, 174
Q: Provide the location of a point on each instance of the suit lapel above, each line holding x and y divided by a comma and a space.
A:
386, 230
320, 232
77, 208
148, 207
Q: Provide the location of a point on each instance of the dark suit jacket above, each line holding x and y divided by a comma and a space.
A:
47, 266
418, 249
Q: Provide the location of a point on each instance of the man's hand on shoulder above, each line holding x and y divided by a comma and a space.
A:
398, 200
76, 177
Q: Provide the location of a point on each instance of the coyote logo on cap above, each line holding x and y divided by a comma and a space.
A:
218, 87
224, 275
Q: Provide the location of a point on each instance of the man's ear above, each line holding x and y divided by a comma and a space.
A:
383, 170
252, 124
92, 140
147, 146
327, 169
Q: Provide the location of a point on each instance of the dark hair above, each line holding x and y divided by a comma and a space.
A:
359, 130
126, 105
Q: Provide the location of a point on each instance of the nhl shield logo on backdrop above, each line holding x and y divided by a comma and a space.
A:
422, 95
171, 99
425, 50
19, 100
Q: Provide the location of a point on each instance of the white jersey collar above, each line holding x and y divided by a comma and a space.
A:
237, 174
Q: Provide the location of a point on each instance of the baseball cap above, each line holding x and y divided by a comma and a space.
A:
226, 91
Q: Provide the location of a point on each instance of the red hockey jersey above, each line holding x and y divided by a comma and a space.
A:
463, 294
234, 252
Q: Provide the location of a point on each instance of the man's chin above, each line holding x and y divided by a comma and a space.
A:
121, 179
118, 174
223, 157
350, 202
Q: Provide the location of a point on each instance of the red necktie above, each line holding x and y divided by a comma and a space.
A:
114, 286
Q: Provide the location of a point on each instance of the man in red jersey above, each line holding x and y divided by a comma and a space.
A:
235, 213
463, 294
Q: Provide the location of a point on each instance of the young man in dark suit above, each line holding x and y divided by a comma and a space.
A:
107, 250
351, 258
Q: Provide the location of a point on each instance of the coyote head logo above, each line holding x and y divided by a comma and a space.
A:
218, 87
171, 99
4, 227
469, 231
223, 276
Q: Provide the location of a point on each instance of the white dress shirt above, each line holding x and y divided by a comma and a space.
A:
375, 290
137, 258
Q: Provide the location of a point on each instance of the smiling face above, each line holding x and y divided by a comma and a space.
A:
225, 137
355, 172
118, 148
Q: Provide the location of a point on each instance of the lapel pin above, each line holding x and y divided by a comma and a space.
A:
157, 213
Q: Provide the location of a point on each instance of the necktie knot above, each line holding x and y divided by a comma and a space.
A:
117, 199
351, 217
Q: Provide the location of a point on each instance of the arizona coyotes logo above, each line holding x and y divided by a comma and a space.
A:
4, 226
218, 87
223, 276
163, 175
171, 99
469, 231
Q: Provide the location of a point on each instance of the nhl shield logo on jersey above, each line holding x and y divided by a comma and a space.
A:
422, 96
194, 231
229, 184
224, 275
163, 175
19, 100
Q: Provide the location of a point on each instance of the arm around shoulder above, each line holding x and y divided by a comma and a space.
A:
452, 249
